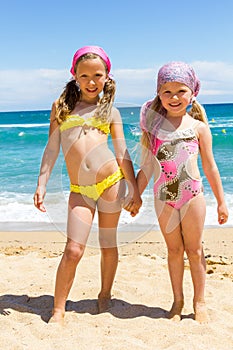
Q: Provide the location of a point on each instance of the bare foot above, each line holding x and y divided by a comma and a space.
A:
57, 317
104, 304
175, 312
200, 312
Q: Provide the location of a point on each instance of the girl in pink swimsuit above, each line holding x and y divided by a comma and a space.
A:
171, 140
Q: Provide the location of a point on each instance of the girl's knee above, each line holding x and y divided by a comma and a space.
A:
176, 251
194, 254
74, 252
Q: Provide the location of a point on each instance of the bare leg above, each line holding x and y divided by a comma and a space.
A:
65, 277
80, 217
169, 221
109, 214
195, 213
109, 262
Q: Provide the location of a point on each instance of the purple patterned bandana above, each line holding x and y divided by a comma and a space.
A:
178, 72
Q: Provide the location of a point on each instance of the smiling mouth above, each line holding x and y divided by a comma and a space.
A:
174, 104
91, 91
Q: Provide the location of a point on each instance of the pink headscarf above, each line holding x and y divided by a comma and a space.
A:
178, 72
90, 49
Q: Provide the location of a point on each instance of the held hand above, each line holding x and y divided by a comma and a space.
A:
130, 206
222, 214
133, 205
137, 201
134, 210
39, 198
127, 203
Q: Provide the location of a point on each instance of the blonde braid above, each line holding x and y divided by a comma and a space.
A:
105, 103
67, 101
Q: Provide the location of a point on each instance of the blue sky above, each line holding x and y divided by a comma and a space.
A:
38, 40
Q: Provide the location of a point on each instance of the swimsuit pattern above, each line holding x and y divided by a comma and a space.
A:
93, 191
76, 120
175, 184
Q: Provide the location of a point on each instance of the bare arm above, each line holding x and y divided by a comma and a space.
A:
125, 162
211, 171
146, 171
48, 160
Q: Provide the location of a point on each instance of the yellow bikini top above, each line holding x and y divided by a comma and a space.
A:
76, 120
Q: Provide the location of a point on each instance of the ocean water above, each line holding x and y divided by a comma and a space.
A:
23, 136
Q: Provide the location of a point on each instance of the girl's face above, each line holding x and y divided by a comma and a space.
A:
91, 76
175, 97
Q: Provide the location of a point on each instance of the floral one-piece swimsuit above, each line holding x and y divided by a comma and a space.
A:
173, 151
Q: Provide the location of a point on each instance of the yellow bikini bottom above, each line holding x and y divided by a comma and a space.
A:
94, 191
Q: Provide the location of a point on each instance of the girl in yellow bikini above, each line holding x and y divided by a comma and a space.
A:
80, 122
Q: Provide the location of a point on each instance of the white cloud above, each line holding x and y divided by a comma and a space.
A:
216, 71
134, 85
30, 89
216, 79
37, 89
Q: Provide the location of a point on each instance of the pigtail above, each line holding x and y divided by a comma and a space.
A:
67, 101
198, 112
105, 103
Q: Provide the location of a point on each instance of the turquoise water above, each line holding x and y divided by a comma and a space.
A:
23, 136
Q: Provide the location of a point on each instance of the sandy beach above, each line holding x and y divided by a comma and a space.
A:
141, 296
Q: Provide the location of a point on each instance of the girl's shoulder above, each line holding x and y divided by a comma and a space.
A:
53, 112
54, 125
115, 110
202, 129
115, 115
